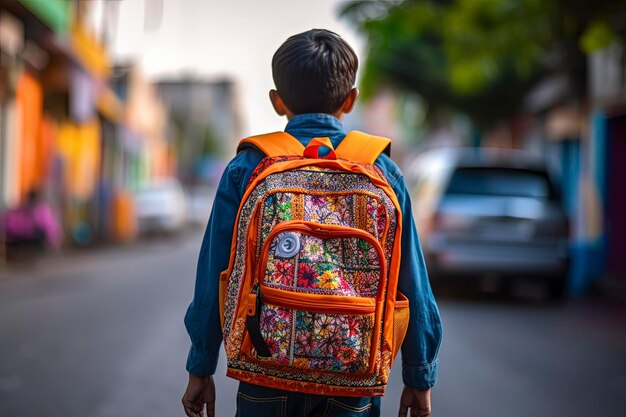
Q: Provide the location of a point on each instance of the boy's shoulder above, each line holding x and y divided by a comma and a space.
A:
391, 170
246, 159
242, 165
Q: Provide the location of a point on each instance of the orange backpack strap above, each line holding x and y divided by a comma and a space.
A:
273, 144
361, 147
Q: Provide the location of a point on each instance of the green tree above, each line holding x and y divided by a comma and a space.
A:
480, 57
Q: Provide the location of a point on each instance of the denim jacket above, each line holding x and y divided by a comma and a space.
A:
421, 344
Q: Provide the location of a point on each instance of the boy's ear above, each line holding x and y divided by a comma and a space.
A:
278, 104
350, 101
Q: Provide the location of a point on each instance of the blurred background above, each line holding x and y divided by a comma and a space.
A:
117, 118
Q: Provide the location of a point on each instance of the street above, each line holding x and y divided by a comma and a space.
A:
101, 335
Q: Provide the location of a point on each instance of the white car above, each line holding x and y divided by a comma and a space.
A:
161, 207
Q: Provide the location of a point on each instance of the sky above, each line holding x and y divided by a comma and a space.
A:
219, 38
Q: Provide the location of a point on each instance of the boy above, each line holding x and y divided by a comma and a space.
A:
314, 73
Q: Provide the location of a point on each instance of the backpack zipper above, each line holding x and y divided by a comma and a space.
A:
317, 303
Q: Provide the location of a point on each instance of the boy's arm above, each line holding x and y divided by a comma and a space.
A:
421, 344
202, 319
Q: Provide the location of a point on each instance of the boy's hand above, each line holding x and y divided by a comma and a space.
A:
200, 391
417, 400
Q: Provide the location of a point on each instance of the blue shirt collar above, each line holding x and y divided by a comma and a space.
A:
311, 125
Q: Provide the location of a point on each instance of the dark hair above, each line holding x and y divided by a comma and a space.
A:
314, 71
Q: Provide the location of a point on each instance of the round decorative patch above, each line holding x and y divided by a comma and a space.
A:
288, 245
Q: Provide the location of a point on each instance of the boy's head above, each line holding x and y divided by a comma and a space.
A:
314, 72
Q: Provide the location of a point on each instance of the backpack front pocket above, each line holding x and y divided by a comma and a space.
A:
315, 340
315, 303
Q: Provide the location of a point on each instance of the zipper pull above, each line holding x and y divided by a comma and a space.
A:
253, 311
253, 304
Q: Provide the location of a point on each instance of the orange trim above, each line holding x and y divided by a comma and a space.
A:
276, 144
305, 387
361, 147
318, 303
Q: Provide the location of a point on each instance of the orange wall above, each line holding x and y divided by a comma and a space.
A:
30, 152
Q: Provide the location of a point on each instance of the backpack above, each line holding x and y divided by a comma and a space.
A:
309, 302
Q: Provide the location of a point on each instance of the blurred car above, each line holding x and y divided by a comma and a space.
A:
161, 207
486, 212
199, 204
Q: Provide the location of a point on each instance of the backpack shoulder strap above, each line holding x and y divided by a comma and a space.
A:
273, 144
361, 147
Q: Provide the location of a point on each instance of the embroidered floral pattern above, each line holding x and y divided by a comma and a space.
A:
330, 209
318, 341
283, 272
335, 266
329, 280
267, 162
381, 219
332, 342
314, 250
307, 276
277, 331
277, 208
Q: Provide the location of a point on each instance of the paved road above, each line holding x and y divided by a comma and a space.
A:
102, 336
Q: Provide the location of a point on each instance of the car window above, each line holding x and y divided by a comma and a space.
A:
500, 182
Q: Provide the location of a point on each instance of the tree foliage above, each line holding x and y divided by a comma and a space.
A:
481, 56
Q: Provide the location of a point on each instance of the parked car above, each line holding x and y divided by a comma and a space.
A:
199, 204
485, 212
161, 207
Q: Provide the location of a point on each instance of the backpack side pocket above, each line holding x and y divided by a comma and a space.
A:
401, 316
